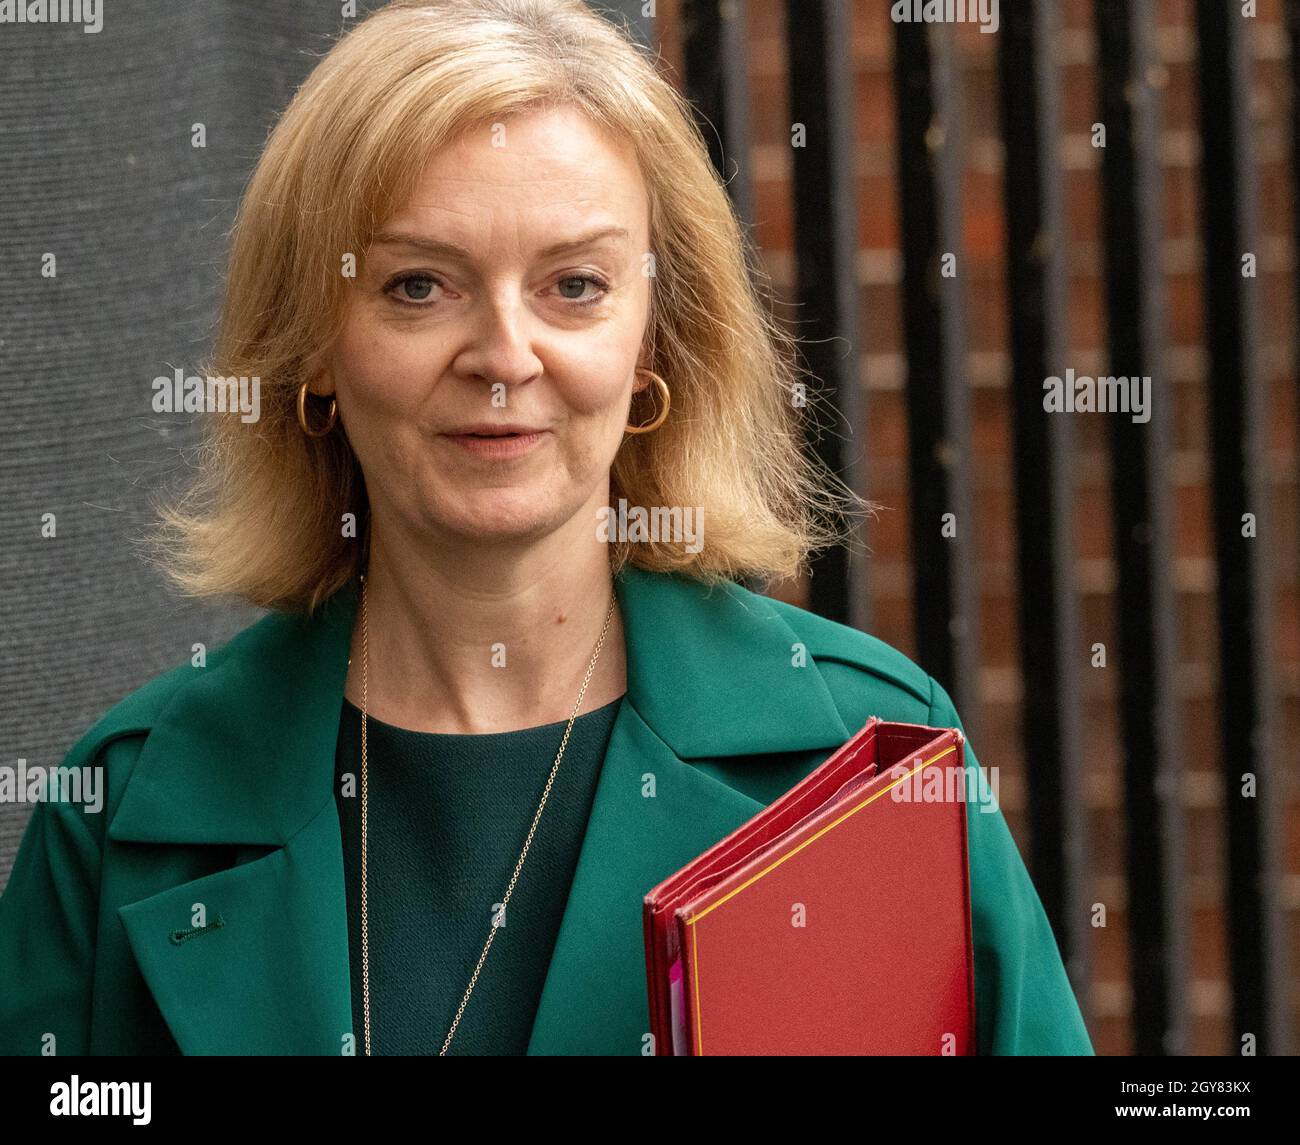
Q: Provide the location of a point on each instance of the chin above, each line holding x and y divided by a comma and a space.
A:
497, 518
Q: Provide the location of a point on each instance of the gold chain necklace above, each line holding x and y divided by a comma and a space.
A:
528, 842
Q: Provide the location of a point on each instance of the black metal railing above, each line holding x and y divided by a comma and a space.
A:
1140, 460
1253, 792
1054, 646
1052, 643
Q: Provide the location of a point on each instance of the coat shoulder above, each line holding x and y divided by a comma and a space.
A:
134, 714
830, 641
865, 675
140, 710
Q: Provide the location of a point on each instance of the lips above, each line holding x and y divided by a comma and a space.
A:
488, 431
497, 442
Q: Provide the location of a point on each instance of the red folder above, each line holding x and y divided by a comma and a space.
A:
836, 921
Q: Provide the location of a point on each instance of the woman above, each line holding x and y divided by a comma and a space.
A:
491, 288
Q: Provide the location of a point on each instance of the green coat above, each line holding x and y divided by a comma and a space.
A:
219, 790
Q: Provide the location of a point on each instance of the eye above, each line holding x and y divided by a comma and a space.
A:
412, 289
571, 287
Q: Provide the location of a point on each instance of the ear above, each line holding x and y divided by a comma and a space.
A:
320, 380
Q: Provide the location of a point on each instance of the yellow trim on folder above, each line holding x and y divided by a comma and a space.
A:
695, 969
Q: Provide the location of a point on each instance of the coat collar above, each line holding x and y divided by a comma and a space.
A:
243, 753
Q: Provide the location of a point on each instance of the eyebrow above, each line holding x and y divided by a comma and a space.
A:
453, 250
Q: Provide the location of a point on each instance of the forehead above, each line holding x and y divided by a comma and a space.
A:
543, 167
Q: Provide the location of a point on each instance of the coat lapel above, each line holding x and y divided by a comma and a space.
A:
269, 975
709, 676
244, 754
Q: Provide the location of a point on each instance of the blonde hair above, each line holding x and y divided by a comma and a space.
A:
262, 519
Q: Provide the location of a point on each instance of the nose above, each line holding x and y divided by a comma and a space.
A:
498, 341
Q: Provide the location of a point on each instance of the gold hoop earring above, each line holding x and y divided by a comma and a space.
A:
663, 413
302, 415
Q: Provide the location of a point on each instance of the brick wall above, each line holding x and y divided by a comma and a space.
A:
883, 373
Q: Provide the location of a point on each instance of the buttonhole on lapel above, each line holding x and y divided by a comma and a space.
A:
179, 936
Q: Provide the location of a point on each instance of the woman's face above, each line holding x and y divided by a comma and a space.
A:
486, 363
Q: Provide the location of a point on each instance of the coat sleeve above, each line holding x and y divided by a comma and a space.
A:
1024, 1003
48, 920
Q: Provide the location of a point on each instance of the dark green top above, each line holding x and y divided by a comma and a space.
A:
447, 817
